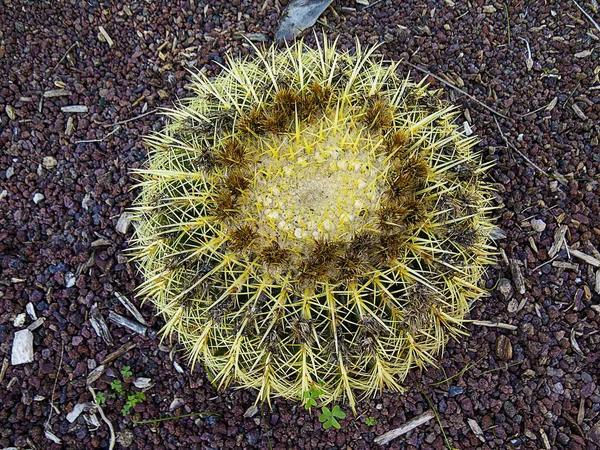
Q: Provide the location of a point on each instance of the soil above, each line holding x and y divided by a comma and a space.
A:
535, 65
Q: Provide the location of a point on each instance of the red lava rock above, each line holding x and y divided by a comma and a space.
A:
464, 44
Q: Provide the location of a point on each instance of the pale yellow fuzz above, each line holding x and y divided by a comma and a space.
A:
324, 186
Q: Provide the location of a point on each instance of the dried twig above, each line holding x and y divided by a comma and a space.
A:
441, 80
587, 15
154, 111
63, 58
408, 426
559, 241
529, 61
52, 407
486, 323
509, 144
87, 141
587, 258
117, 353
113, 437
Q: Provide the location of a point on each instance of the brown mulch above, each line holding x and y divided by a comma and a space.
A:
534, 387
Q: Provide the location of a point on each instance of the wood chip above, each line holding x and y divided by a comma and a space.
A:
566, 265
545, 439
95, 374
517, 277
50, 435
583, 54
251, 412
127, 323
581, 411
74, 109
487, 323
559, 238
575, 345
99, 325
123, 223
106, 36
69, 127
4, 368
101, 243
22, 348
476, 429
56, 93
597, 285
118, 353
143, 383
550, 106
36, 324
533, 245
503, 348
584, 257
408, 426
131, 308
10, 112
577, 110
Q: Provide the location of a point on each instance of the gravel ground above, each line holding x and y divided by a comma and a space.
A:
529, 386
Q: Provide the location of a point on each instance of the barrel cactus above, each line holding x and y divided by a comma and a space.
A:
312, 218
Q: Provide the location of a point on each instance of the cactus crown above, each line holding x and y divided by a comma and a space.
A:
309, 217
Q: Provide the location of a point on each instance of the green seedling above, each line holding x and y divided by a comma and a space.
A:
329, 417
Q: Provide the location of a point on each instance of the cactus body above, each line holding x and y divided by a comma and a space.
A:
309, 217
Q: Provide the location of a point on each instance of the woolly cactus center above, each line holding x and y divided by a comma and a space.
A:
322, 182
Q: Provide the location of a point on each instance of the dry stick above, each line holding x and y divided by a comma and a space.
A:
64, 56
154, 111
492, 110
485, 323
534, 165
587, 15
62, 351
411, 424
113, 437
87, 141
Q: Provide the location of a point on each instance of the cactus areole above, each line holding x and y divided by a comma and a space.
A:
311, 217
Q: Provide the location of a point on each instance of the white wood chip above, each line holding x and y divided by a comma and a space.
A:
251, 412
143, 383
50, 435
476, 429
74, 109
178, 368
106, 36
583, 54
131, 308
584, 257
77, 410
559, 236
19, 320
575, 345
123, 223
408, 426
56, 93
22, 348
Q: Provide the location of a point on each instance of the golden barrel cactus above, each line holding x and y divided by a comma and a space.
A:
312, 218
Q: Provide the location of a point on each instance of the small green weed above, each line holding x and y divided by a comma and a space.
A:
117, 389
329, 417
371, 421
311, 397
